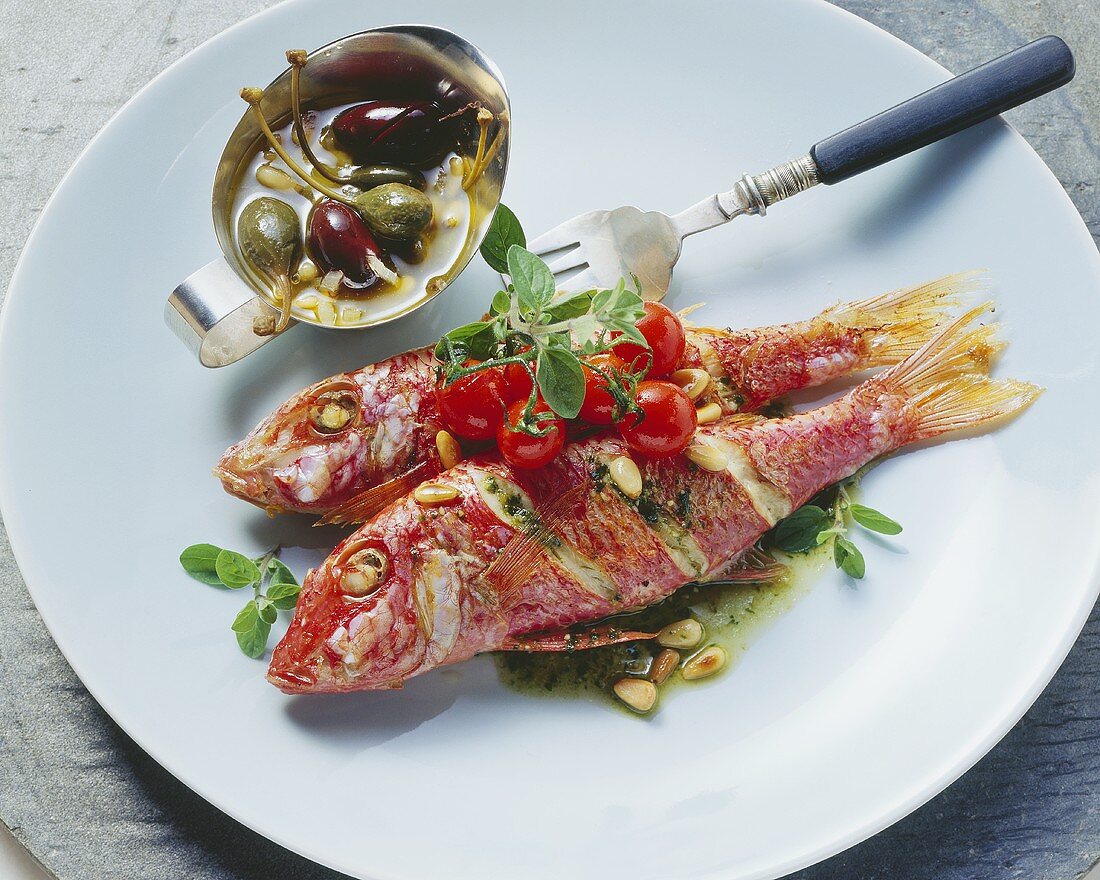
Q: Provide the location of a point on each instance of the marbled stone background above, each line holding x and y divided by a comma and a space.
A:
89, 803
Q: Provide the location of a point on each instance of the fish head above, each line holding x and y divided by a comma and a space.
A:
373, 614
334, 439
304, 455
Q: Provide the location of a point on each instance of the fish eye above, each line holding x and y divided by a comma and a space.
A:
335, 408
364, 570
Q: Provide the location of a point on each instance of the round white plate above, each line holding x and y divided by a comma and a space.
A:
857, 707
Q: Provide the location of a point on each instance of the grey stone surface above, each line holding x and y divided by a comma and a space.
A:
89, 803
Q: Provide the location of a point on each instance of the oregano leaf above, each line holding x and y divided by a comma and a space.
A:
561, 381
236, 570
199, 561
798, 532
871, 519
504, 231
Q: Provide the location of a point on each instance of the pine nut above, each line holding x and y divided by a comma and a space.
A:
693, 381
637, 693
663, 665
707, 662
707, 457
434, 494
273, 178
686, 633
450, 453
712, 412
625, 474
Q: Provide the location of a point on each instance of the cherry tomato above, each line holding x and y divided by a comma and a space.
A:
518, 381
522, 450
665, 334
669, 421
599, 406
473, 407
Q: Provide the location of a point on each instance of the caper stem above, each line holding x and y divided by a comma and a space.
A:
282, 288
297, 59
484, 117
253, 97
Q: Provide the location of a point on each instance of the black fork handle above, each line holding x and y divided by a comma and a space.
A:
969, 98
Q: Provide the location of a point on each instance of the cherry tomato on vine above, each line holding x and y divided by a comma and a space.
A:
665, 334
599, 406
518, 381
473, 406
668, 424
522, 450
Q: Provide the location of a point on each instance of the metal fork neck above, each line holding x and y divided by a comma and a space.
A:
755, 193
752, 194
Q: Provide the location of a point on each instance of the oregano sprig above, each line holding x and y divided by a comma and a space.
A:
529, 324
274, 588
829, 519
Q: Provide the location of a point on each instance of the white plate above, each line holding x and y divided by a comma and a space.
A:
857, 707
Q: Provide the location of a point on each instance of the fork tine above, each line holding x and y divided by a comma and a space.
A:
572, 260
585, 280
556, 239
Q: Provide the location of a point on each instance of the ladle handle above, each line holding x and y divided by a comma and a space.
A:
213, 313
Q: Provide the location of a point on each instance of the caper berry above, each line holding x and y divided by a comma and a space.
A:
369, 176
269, 234
395, 211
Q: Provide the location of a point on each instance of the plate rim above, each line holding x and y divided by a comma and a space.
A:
969, 756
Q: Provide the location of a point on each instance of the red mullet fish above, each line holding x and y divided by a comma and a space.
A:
519, 554
384, 444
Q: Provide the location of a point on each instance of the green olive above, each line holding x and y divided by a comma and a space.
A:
369, 176
395, 211
269, 235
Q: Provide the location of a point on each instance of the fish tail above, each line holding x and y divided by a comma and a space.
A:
947, 380
909, 317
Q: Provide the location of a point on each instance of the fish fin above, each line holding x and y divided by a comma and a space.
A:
742, 420
518, 558
370, 502
752, 566
683, 313
948, 384
570, 640
909, 317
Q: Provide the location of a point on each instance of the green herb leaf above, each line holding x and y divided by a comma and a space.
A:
284, 596
532, 279
268, 612
199, 560
235, 570
871, 519
848, 558
504, 231
474, 340
278, 573
252, 631
561, 381
629, 330
570, 307
502, 303
798, 532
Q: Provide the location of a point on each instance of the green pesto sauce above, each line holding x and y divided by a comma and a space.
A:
733, 616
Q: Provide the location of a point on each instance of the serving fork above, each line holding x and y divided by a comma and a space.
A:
598, 248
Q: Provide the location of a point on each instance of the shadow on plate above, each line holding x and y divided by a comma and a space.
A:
370, 718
